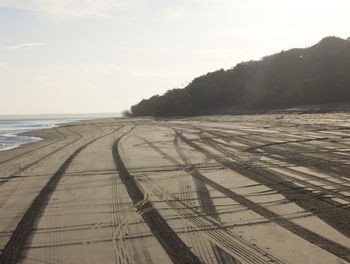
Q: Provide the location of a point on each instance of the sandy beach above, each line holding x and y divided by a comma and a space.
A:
213, 189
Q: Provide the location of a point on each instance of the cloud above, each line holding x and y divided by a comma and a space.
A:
72, 8
27, 45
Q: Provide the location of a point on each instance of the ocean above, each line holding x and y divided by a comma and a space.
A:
9, 128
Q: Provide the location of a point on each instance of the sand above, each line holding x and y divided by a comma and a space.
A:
213, 189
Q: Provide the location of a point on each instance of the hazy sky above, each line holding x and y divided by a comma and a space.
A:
76, 56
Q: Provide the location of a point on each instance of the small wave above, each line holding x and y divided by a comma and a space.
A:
11, 127
13, 141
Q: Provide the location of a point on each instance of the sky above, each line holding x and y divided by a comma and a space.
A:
95, 56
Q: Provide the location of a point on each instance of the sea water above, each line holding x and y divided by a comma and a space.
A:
9, 128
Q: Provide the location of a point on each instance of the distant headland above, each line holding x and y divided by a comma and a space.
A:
319, 74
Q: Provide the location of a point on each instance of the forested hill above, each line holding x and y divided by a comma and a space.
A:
315, 75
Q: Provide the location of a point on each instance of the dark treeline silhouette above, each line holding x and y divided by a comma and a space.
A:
315, 75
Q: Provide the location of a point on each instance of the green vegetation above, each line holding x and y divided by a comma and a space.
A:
315, 75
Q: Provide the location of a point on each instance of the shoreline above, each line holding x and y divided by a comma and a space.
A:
27, 137
30, 140
46, 135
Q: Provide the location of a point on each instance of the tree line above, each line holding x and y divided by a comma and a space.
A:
315, 75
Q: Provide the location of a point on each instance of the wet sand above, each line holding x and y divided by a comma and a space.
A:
213, 189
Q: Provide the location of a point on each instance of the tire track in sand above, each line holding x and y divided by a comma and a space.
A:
176, 249
12, 252
205, 201
206, 204
316, 239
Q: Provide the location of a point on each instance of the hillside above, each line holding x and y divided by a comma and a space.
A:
316, 75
